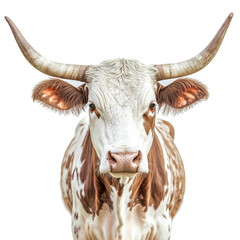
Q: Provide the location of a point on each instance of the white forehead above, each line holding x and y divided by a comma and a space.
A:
120, 82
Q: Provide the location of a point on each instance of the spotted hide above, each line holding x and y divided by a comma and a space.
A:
104, 208
122, 177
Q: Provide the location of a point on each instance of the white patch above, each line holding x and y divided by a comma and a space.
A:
151, 114
124, 179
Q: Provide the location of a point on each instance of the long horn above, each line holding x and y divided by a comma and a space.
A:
67, 71
174, 70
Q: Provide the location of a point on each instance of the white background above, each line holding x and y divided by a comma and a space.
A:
33, 139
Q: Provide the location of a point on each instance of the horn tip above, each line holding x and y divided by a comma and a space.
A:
231, 15
8, 20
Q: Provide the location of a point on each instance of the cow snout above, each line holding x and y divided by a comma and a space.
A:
124, 162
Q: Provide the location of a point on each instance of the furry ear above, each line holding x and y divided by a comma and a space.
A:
180, 95
61, 96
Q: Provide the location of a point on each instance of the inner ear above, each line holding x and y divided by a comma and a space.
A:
61, 95
51, 97
180, 94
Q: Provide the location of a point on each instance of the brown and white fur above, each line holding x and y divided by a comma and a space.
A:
122, 176
105, 208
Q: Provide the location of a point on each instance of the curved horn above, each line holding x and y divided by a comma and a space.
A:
67, 71
174, 70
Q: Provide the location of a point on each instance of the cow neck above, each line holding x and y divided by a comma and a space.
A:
146, 189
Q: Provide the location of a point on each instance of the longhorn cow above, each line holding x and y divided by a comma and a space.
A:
122, 176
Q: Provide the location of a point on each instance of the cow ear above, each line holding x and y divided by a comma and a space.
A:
180, 95
61, 96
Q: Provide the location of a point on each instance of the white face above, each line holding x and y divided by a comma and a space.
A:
121, 122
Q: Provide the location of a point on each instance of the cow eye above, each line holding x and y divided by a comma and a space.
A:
92, 106
152, 106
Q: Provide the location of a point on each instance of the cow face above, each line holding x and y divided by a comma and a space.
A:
123, 98
122, 108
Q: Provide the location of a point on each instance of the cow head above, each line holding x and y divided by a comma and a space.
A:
123, 97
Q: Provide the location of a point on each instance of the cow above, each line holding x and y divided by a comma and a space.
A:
122, 176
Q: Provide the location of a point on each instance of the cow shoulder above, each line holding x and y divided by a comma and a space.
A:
175, 166
67, 167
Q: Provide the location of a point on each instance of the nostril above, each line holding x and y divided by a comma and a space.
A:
137, 158
111, 158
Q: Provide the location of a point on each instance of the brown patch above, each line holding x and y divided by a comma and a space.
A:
178, 175
180, 94
97, 188
148, 190
149, 120
75, 216
61, 95
97, 113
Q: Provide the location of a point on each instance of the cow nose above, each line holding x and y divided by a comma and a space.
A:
124, 162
